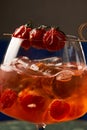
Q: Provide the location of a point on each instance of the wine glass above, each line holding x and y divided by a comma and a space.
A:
42, 86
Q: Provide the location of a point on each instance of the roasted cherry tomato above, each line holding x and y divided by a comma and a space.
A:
23, 32
8, 98
59, 109
54, 39
36, 37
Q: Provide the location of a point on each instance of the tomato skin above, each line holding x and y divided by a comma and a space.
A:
32, 102
36, 37
23, 32
51, 39
59, 109
54, 39
8, 97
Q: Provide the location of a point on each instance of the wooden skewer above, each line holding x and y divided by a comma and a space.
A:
7, 34
80, 32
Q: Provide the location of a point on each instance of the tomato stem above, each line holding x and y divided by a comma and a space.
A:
29, 24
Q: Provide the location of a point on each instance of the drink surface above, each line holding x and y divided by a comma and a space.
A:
43, 91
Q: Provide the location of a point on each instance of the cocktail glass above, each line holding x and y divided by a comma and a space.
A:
41, 86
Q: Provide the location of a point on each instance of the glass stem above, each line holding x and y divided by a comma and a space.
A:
40, 126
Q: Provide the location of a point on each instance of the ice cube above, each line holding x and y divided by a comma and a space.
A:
64, 84
64, 75
34, 67
45, 69
20, 64
51, 71
48, 66
51, 61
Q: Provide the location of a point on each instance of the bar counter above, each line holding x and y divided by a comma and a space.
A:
21, 125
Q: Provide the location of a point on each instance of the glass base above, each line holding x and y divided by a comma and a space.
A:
40, 126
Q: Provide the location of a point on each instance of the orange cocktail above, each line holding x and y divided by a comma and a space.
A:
54, 91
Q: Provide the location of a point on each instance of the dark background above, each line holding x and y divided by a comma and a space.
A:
67, 14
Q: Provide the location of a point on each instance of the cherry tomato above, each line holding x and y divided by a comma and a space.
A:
36, 37
8, 98
54, 39
23, 32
